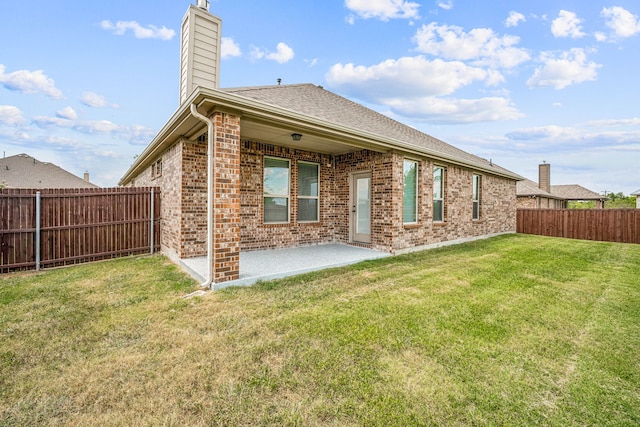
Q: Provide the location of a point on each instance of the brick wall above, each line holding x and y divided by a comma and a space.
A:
538, 202
254, 234
239, 207
170, 183
193, 205
227, 197
497, 206
184, 197
527, 202
383, 205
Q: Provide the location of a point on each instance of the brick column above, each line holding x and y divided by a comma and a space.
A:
226, 259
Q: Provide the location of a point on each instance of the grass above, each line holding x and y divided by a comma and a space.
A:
514, 330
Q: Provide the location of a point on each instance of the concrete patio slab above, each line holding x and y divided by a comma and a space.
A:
278, 263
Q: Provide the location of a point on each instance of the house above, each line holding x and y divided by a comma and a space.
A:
637, 194
284, 166
546, 196
24, 171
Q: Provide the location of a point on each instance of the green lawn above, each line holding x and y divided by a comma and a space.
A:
514, 330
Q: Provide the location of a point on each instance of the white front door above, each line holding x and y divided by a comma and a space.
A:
361, 207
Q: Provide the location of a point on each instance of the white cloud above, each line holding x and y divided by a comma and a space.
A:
140, 32
446, 5
453, 111
230, 48
256, 53
13, 136
95, 126
572, 136
480, 44
384, 9
545, 133
622, 22
91, 99
311, 62
134, 134
60, 142
29, 82
11, 116
67, 113
514, 19
570, 67
411, 87
407, 76
635, 121
567, 24
282, 54
600, 36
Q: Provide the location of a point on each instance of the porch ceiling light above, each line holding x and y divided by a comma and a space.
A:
296, 136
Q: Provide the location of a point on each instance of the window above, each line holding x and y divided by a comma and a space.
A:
156, 169
276, 190
476, 196
308, 192
410, 194
438, 194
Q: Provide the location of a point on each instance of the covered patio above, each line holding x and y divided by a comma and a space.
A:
278, 263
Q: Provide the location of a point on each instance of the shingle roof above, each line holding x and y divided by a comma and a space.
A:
319, 103
564, 192
575, 192
24, 171
636, 193
530, 188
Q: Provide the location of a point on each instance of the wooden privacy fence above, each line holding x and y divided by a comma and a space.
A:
607, 225
54, 227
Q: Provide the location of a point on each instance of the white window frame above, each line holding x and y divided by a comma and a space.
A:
317, 197
442, 193
156, 169
280, 196
476, 184
415, 196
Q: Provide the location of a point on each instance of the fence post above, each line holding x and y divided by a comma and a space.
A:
151, 231
37, 231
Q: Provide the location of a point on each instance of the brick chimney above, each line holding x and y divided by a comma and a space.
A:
201, 42
544, 177
86, 177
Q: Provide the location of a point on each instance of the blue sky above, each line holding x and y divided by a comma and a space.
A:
86, 84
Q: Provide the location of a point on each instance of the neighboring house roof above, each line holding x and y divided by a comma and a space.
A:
528, 188
24, 171
323, 116
636, 193
575, 192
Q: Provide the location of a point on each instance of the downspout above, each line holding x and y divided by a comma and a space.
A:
211, 185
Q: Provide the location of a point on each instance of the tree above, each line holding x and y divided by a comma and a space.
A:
620, 201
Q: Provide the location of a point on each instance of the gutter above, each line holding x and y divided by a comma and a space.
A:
211, 185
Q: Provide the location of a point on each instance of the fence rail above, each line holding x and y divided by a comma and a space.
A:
607, 225
54, 227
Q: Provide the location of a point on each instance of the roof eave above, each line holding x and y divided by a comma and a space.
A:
213, 99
